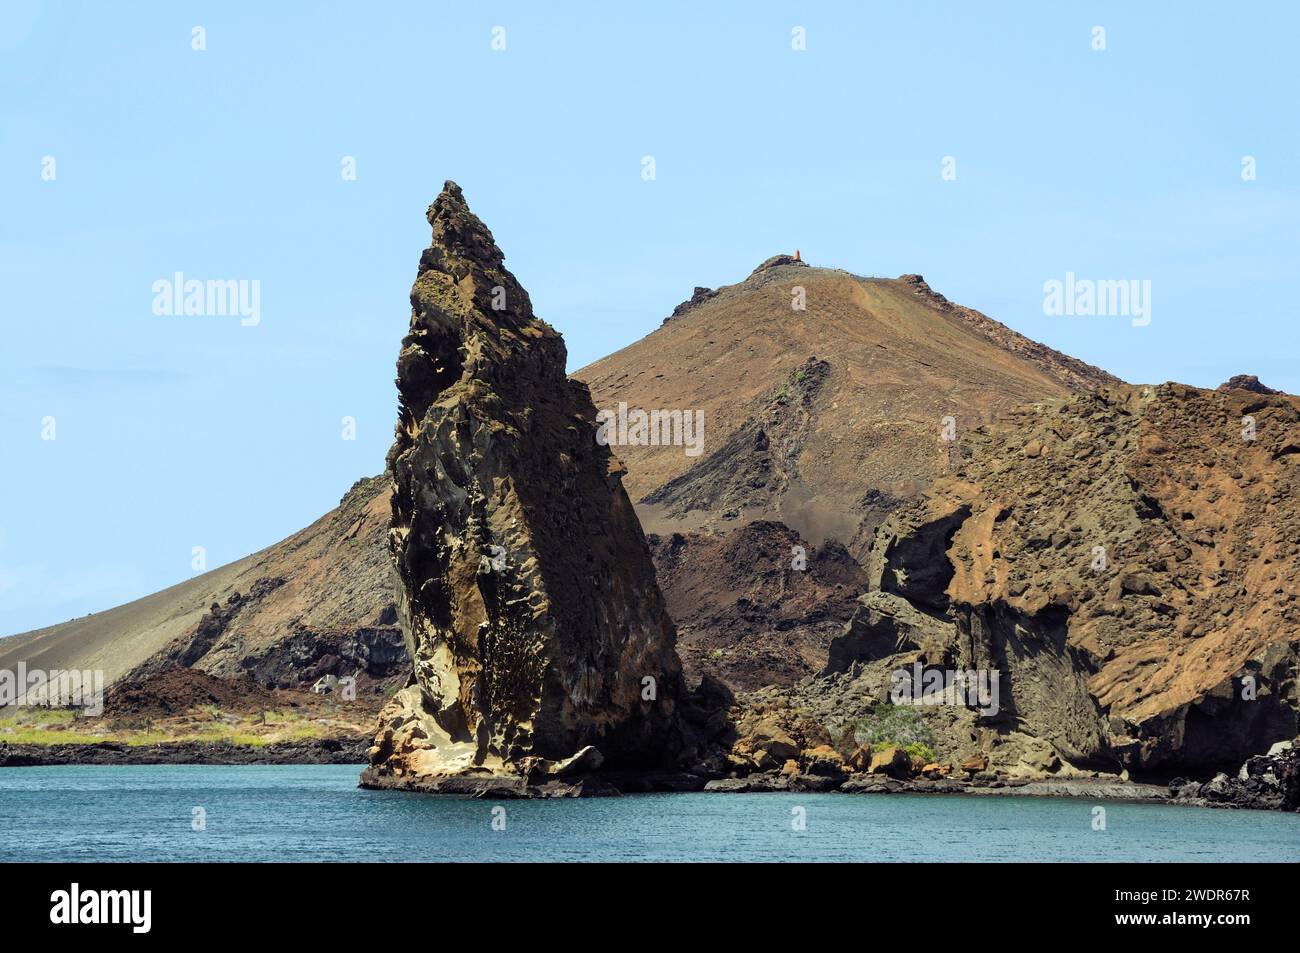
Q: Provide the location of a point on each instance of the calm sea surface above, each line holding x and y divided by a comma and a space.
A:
317, 813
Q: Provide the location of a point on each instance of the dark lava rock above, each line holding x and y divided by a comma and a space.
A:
1246, 382
525, 587
697, 298
1268, 782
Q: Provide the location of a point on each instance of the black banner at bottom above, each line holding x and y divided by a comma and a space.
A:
332, 902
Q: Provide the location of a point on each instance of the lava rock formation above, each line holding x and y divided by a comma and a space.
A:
542, 648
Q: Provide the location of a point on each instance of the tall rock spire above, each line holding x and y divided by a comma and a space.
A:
525, 586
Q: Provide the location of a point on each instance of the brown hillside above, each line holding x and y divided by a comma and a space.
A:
817, 420
825, 454
817, 424
317, 603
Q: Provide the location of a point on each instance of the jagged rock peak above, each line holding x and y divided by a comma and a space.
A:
472, 324
697, 298
525, 588
922, 288
463, 247
459, 231
1247, 382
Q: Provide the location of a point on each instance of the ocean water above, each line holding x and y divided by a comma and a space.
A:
317, 813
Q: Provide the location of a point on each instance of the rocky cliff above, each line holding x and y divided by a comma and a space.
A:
541, 643
1127, 560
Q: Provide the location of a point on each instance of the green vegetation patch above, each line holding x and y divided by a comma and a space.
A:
895, 726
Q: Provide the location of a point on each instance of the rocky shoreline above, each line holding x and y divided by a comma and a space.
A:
1084, 788
316, 751
1267, 782
497, 787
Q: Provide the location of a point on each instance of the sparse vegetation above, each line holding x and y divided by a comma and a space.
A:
900, 726
206, 722
212, 711
919, 751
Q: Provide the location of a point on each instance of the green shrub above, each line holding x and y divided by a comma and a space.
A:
899, 726
918, 749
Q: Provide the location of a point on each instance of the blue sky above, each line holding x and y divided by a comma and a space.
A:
225, 163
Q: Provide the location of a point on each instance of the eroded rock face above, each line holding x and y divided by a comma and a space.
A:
525, 586
1128, 561
884, 625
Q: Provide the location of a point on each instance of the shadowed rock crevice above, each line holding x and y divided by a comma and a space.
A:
1043, 680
